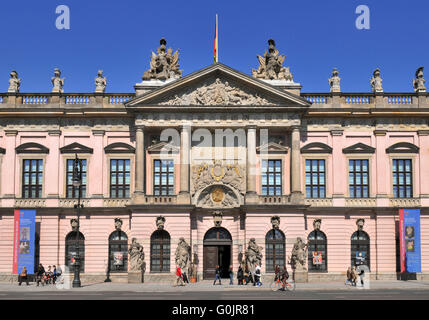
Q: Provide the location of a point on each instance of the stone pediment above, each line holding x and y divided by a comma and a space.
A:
218, 85
316, 147
272, 147
359, 148
163, 147
403, 147
76, 148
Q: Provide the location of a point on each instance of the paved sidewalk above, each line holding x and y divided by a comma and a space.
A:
205, 286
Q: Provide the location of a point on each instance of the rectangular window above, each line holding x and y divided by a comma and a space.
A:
32, 178
402, 178
358, 179
315, 176
120, 179
71, 191
163, 177
271, 177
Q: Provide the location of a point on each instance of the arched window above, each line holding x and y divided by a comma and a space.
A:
360, 254
217, 233
317, 252
160, 251
118, 252
274, 249
71, 250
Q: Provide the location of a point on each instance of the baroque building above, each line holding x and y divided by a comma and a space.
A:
227, 161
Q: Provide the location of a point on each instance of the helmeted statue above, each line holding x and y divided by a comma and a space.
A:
164, 65
271, 65
14, 82
298, 259
100, 82
57, 81
376, 81
136, 256
253, 255
183, 255
334, 81
419, 82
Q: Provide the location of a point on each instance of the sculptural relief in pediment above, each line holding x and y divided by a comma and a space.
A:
218, 92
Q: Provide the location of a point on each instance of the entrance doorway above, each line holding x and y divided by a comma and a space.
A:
217, 251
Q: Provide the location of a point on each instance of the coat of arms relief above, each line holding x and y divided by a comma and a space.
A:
218, 185
217, 92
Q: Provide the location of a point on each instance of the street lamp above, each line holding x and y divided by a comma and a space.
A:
77, 183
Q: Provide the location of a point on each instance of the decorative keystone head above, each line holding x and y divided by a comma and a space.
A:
360, 223
317, 223
217, 218
118, 224
275, 222
160, 222
74, 224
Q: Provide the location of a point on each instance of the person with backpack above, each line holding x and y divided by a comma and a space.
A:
23, 276
231, 276
240, 275
257, 276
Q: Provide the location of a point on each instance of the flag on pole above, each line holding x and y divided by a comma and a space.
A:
216, 52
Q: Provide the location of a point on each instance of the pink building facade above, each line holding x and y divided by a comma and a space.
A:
331, 168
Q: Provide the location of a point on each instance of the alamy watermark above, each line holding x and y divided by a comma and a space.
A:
363, 20
63, 20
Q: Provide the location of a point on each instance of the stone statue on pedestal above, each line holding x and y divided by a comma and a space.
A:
298, 259
183, 255
334, 81
100, 82
57, 81
14, 82
253, 255
419, 82
376, 81
164, 65
136, 256
271, 65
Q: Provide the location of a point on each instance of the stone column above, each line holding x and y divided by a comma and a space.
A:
296, 193
185, 136
251, 195
52, 184
338, 161
382, 169
8, 168
96, 167
139, 161
424, 169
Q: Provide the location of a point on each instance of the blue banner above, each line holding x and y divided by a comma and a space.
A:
25, 240
412, 240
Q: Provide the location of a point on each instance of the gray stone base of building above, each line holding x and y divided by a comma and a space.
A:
301, 276
135, 277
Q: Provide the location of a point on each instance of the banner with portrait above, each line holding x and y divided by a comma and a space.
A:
409, 234
118, 258
24, 240
317, 257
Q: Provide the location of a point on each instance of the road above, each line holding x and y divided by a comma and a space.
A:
221, 295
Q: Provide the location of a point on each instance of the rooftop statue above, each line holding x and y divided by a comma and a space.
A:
419, 82
164, 65
271, 65
334, 81
376, 81
57, 81
100, 82
14, 82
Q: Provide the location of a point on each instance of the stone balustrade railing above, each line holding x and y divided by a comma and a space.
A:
361, 202
120, 202
340, 99
274, 200
149, 199
318, 202
70, 203
30, 203
404, 202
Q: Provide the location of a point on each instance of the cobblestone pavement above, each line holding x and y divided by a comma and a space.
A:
205, 286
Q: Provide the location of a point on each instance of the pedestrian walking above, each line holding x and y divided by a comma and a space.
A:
23, 276
349, 280
217, 275
179, 278
258, 275
240, 275
40, 275
231, 275
354, 276
185, 277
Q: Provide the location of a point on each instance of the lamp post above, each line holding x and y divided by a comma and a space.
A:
77, 183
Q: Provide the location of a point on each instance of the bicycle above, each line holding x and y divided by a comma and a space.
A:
288, 285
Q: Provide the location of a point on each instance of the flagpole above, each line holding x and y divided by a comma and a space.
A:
217, 40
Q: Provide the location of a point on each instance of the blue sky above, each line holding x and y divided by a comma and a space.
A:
118, 37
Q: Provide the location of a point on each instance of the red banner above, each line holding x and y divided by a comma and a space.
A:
15, 241
402, 239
